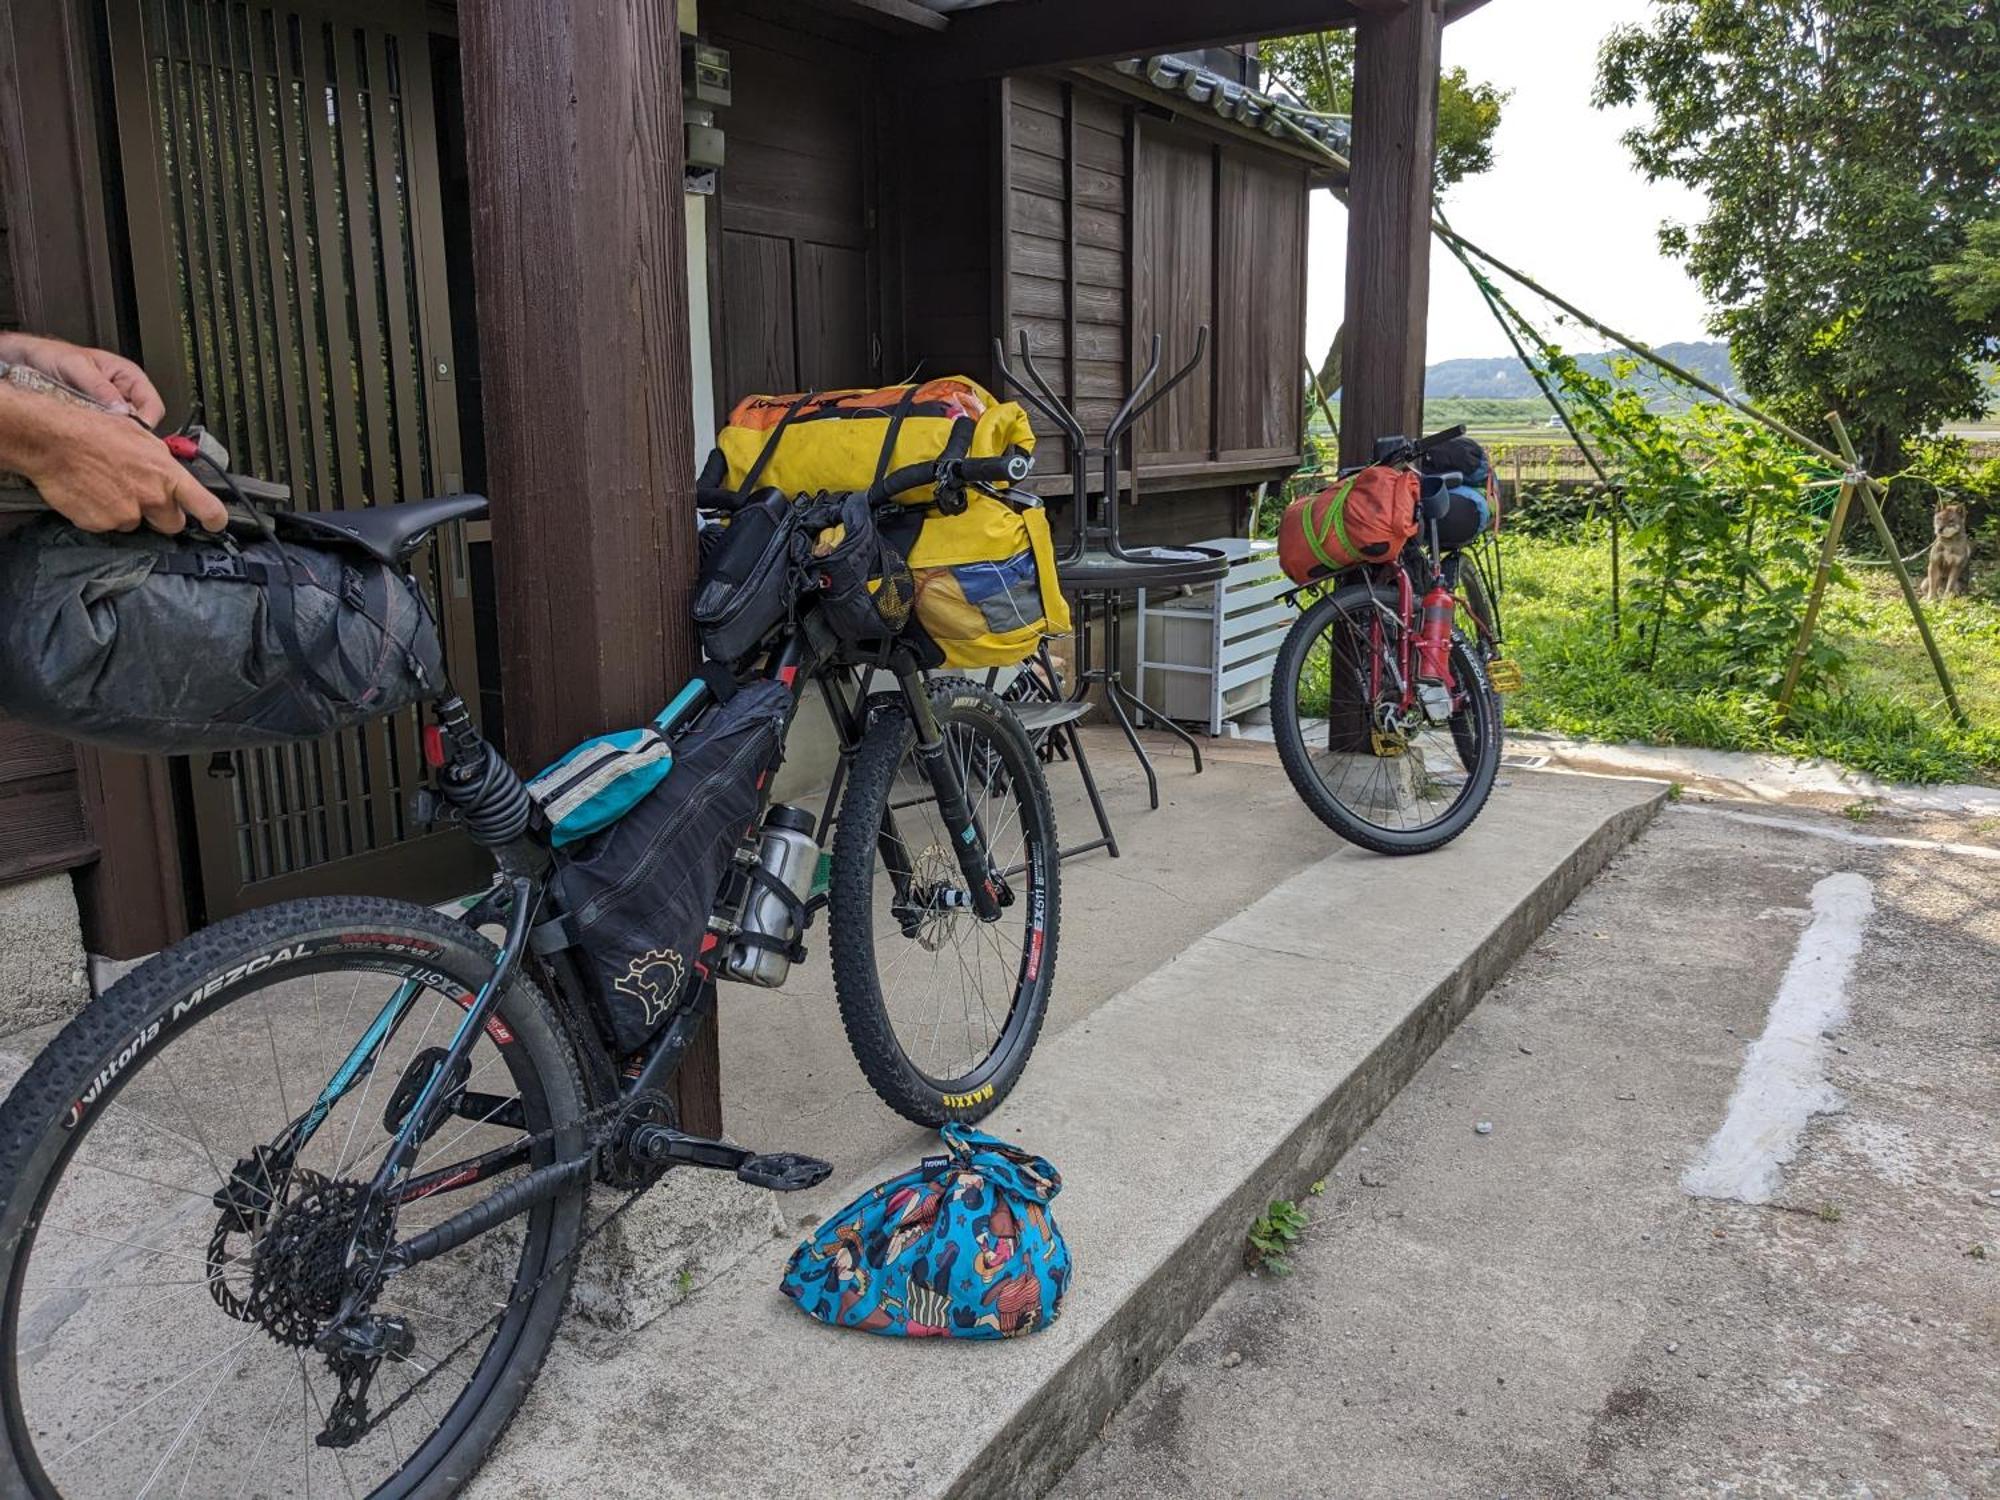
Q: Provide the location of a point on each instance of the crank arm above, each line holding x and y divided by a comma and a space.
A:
782, 1172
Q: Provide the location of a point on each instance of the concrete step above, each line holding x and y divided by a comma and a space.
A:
1236, 1073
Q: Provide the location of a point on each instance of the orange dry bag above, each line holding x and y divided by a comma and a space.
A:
1366, 518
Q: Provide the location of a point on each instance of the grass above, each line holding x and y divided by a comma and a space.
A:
1884, 715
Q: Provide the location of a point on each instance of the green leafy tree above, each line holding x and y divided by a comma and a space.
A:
1846, 150
1971, 281
1317, 70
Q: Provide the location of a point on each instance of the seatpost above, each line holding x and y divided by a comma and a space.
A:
461, 752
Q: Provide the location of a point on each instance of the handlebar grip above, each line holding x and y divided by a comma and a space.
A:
1426, 444
909, 477
1009, 468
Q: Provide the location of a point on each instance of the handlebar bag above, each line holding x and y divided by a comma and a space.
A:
1368, 517
963, 1246
195, 643
865, 588
750, 580
846, 440
637, 895
986, 582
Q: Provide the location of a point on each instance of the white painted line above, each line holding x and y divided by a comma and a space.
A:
1841, 835
1783, 1082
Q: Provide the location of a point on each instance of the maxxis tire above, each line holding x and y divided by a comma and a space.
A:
1289, 734
870, 1032
34, 1145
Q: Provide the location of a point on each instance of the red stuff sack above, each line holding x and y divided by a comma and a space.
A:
1366, 518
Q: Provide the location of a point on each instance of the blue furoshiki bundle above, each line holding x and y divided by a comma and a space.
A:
963, 1246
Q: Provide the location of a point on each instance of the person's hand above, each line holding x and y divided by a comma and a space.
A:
110, 379
108, 473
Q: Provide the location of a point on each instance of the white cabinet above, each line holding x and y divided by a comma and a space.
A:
1204, 655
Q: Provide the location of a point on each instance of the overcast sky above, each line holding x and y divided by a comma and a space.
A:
1563, 201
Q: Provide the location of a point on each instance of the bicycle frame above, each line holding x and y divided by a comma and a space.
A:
517, 899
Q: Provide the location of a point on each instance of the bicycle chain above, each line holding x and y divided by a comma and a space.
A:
600, 1125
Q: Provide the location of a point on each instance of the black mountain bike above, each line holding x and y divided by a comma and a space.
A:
1392, 750
294, 1208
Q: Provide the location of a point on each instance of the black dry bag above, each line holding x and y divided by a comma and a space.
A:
191, 643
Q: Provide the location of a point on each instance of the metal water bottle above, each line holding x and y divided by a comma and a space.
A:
787, 854
1434, 651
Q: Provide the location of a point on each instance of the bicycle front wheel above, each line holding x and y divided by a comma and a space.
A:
942, 1009
1392, 777
169, 1262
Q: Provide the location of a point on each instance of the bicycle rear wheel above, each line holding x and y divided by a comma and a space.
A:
1389, 778
942, 1009
164, 1282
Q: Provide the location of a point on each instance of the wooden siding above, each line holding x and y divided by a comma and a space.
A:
1260, 289
1117, 224
42, 826
1220, 239
1066, 189
794, 292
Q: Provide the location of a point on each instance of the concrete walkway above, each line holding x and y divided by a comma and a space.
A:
1222, 1036
1545, 1311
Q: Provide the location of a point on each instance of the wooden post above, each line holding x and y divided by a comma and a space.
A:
131, 898
575, 149
1389, 225
1813, 600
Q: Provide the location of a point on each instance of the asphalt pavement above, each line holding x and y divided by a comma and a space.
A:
1759, 1004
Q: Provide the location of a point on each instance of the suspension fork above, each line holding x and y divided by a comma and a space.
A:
968, 842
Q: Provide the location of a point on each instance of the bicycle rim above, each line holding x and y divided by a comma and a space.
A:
140, 1356
1372, 755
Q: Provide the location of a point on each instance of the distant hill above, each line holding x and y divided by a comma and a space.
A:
1508, 377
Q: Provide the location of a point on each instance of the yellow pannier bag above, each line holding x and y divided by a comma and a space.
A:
835, 440
986, 582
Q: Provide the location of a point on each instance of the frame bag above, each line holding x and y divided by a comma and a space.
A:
638, 894
178, 645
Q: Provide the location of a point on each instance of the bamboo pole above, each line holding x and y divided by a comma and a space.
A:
1814, 599
1867, 488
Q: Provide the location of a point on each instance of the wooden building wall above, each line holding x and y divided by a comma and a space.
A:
1066, 242
42, 825
1119, 221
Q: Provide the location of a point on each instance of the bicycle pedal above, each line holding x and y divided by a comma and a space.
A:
1505, 676
785, 1171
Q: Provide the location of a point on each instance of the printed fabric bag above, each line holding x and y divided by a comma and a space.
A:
964, 1246
637, 896
1367, 517
187, 644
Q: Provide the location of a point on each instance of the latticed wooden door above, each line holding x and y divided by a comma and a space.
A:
282, 194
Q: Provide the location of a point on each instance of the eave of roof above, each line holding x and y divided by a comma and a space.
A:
1183, 80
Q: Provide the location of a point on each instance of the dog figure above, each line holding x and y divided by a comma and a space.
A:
1951, 553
